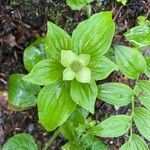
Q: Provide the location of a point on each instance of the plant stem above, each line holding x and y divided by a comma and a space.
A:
132, 115
56, 133
88, 10
137, 79
133, 105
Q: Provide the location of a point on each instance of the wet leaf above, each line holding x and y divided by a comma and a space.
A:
84, 94
130, 61
101, 67
142, 120
88, 141
34, 53
140, 34
142, 90
22, 141
21, 94
135, 143
112, 127
45, 72
56, 40
115, 93
77, 4
147, 71
94, 35
55, 105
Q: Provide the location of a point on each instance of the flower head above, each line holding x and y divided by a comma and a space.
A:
76, 66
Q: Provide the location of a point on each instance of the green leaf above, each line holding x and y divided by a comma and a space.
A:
68, 74
21, 94
74, 128
94, 35
88, 141
84, 94
34, 53
139, 35
68, 128
142, 90
142, 120
147, 71
56, 40
84, 75
112, 127
122, 1
67, 57
130, 61
22, 141
115, 93
78, 117
45, 72
77, 4
66, 147
143, 20
101, 67
84, 59
54, 105
135, 143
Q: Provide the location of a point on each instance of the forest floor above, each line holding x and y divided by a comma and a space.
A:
21, 22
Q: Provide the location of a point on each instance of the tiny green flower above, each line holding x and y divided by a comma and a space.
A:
76, 66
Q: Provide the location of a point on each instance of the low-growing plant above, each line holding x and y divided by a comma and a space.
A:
66, 69
139, 35
71, 67
22, 141
78, 4
132, 63
85, 4
123, 2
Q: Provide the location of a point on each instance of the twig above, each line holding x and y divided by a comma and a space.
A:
56, 133
117, 13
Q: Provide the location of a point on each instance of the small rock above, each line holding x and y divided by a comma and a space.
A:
111, 142
31, 127
1, 121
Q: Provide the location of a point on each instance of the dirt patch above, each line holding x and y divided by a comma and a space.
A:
22, 21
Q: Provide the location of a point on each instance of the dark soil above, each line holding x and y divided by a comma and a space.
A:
21, 22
